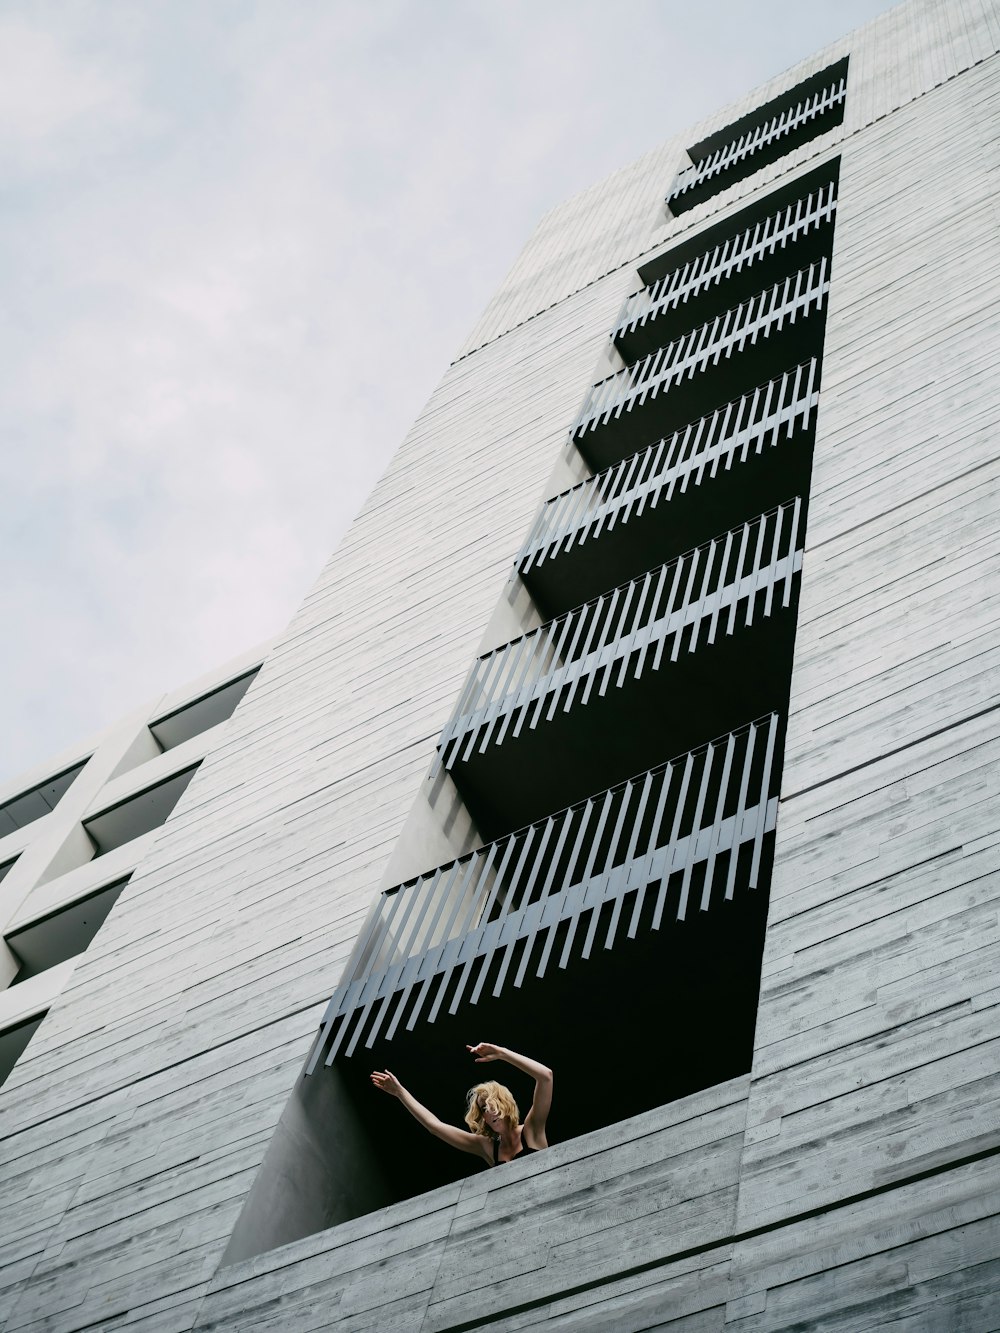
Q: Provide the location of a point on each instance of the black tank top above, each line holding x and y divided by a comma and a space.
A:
524, 1149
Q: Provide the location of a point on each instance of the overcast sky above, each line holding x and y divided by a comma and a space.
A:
240, 242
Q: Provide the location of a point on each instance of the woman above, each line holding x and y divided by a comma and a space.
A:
496, 1133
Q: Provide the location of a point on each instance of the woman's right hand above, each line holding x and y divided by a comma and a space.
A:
386, 1082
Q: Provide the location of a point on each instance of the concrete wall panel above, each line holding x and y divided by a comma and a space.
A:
133, 1127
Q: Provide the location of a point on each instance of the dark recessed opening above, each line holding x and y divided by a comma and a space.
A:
614, 736
12, 1043
679, 201
719, 297
208, 711
815, 83
37, 801
653, 1019
63, 934
707, 238
632, 1018
759, 245
138, 814
685, 401
6, 867
625, 550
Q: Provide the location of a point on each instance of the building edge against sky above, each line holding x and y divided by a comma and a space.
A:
73, 832
847, 1179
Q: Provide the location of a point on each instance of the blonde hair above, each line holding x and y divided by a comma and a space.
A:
498, 1099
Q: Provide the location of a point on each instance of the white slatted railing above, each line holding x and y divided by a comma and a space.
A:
436, 938
706, 345
730, 256
776, 127
620, 634
733, 433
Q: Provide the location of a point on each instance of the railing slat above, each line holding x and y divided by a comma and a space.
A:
482, 874
751, 142
702, 347
585, 818
730, 256
689, 594
450, 920
689, 860
626, 796
591, 857
543, 895
732, 430
661, 897
720, 807
765, 783
741, 807
523, 900
484, 916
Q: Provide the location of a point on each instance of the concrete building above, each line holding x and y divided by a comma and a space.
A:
656, 737
74, 831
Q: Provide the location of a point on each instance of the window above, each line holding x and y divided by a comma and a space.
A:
192, 719
37, 801
13, 1042
62, 934
138, 814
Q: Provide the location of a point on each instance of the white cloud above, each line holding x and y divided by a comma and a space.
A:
56, 103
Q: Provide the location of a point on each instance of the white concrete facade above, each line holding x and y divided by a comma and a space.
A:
851, 1178
51, 863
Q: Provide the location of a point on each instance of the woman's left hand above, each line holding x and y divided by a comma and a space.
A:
484, 1051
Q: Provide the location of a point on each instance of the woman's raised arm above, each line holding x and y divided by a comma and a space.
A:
450, 1134
541, 1103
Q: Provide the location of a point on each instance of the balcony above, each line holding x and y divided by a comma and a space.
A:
732, 262
647, 668
650, 506
641, 908
677, 839
687, 378
811, 108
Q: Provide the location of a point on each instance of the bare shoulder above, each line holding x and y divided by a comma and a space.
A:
477, 1144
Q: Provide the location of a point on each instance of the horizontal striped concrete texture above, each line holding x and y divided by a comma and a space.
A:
49, 856
852, 1179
